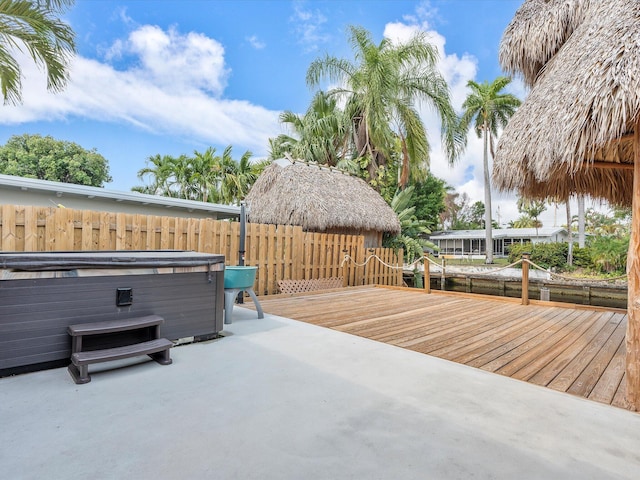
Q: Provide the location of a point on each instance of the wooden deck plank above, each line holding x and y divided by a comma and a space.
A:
573, 318
469, 338
590, 375
530, 363
608, 383
563, 370
449, 331
509, 344
514, 331
383, 324
621, 393
570, 348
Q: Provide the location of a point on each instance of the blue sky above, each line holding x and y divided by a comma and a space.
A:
171, 77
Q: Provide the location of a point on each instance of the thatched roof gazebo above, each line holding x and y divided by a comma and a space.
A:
320, 199
578, 131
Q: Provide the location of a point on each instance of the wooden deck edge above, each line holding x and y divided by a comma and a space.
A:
539, 303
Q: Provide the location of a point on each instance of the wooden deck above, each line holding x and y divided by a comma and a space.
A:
572, 349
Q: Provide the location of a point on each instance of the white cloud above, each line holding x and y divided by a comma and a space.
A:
179, 61
255, 42
122, 15
308, 26
175, 87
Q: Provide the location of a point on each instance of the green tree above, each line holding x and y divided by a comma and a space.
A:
429, 200
34, 27
488, 110
45, 158
381, 90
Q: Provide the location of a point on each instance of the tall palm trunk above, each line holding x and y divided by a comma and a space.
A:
487, 197
570, 234
581, 234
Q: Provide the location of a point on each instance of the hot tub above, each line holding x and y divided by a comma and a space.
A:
42, 293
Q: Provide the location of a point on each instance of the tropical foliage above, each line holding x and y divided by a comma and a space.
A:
35, 28
205, 176
320, 135
412, 237
488, 110
530, 211
46, 158
380, 91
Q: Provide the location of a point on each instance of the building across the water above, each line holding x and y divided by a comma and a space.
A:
471, 243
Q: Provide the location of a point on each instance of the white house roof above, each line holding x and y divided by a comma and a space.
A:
59, 191
542, 232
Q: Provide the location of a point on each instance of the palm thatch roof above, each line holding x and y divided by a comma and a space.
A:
538, 29
574, 132
318, 198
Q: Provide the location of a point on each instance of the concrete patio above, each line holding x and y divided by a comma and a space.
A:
280, 399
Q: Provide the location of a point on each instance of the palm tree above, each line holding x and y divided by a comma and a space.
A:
381, 91
532, 209
320, 135
236, 176
581, 221
569, 232
202, 177
159, 170
34, 26
489, 110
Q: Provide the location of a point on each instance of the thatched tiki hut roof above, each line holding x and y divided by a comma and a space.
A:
538, 30
578, 131
320, 199
578, 120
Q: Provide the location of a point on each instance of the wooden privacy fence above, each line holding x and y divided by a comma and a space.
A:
280, 252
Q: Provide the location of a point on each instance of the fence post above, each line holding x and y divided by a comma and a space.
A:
443, 277
525, 279
427, 274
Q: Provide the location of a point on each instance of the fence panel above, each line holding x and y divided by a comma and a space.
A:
280, 252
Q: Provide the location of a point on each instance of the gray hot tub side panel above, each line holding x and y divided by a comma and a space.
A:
35, 312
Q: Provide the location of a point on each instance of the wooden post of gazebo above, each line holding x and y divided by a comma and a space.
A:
633, 296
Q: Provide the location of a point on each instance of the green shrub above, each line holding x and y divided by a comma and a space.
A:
603, 255
547, 255
582, 257
609, 254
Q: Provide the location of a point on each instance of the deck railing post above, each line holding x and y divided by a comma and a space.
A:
427, 273
345, 268
525, 279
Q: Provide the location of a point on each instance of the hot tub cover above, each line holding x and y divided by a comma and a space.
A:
38, 261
